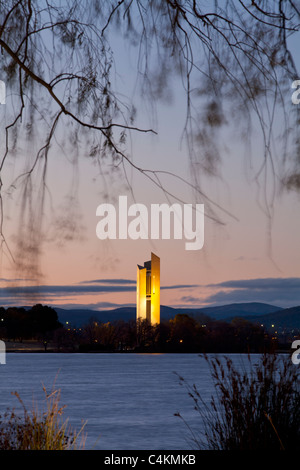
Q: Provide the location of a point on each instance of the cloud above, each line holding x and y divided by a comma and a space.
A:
180, 286
261, 283
133, 282
284, 292
61, 290
28, 294
91, 306
191, 299
281, 292
3, 279
109, 281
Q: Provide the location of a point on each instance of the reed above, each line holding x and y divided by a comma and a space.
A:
255, 406
37, 429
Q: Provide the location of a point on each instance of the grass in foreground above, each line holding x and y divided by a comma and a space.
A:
39, 430
256, 407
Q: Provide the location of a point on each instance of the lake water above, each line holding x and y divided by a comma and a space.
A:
127, 400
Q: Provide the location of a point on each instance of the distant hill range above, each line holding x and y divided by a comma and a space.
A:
253, 311
285, 318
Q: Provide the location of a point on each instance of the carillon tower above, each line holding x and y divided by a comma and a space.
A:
148, 291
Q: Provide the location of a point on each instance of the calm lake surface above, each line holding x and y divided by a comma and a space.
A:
127, 400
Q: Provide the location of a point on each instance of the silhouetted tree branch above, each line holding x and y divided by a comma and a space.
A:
235, 66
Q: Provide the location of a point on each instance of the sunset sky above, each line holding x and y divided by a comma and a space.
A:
242, 259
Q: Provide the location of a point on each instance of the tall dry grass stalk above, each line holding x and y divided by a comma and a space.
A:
255, 405
39, 430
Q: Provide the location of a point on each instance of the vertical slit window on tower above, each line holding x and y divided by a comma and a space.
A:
148, 284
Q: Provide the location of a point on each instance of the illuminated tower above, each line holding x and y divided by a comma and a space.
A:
148, 291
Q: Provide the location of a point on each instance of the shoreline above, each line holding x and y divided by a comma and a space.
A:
32, 347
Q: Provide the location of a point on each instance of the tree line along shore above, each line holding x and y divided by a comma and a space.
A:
39, 329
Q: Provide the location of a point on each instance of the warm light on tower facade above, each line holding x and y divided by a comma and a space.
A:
148, 291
